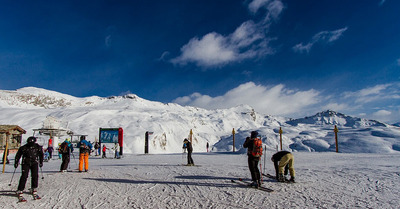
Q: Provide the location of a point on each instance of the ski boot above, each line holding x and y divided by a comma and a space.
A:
20, 197
34, 194
254, 184
292, 180
281, 178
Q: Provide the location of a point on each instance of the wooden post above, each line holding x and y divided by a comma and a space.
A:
233, 134
5, 151
146, 142
280, 136
191, 136
336, 130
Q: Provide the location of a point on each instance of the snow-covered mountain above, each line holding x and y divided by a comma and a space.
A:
330, 117
171, 123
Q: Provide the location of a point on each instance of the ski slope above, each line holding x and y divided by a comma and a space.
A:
325, 180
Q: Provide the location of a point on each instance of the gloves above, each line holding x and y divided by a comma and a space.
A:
15, 164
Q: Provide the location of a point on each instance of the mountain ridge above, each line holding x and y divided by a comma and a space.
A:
171, 123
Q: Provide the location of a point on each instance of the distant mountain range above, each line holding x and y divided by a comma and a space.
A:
171, 123
330, 117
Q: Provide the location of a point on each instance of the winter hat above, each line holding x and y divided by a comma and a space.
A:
254, 134
31, 140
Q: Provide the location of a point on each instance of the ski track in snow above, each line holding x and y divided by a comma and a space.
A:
325, 180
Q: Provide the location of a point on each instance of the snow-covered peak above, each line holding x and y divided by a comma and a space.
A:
330, 117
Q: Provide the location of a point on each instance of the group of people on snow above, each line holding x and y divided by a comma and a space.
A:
283, 161
32, 159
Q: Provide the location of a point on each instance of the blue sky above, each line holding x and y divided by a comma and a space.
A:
283, 57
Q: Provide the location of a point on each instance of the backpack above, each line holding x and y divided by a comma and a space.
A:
64, 147
257, 147
83, 147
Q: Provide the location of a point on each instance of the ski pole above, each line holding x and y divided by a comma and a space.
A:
183, 162
74, 159
261, 176
12, 177
265, 156
41, 172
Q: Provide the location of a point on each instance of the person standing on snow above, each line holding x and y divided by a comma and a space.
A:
286, 162
253, 160
32, 159
65, 149
116, 150
97, 148
187, 145
84, 150
50, 150
104, 151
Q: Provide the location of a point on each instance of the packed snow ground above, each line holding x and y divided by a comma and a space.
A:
325, 180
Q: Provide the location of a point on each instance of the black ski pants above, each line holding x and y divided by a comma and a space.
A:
34, 168
189, 157
253, 167
65, 161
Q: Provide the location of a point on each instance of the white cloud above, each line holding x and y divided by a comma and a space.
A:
275, 100
211, 50
336, 106
321, 37
255, 5
301, 48
275, 8
163, 56
107, 41
329, 36
249, 40
375, 93
380, 102
382, 113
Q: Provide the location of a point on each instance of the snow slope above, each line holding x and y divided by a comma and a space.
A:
171, 123
325, 180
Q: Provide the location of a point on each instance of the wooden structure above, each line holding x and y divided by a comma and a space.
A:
11, 134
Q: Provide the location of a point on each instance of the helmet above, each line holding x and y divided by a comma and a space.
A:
31, 139
68, 139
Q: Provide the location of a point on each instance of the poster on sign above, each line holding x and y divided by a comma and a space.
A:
111, 135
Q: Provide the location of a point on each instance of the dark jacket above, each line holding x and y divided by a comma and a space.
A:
276, 158
31, 154
249, 145
187, 145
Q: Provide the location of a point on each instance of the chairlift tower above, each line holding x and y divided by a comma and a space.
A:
53, 128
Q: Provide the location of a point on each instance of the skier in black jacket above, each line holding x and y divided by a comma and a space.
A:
187, 145
32, 159
252, 160
286, 162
